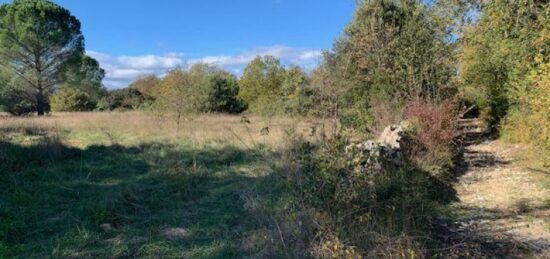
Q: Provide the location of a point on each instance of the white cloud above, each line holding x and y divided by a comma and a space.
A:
311, 55
124, 69
307, 58
120, 71
150, 61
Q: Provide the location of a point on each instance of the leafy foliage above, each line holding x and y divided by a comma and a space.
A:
15, 104
123, 99
183, 92
261, 85
297, 94
223, 94
202, 88
498, 53
391, 52
72, 100
146, 85
504, 64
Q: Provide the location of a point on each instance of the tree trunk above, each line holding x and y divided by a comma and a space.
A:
40, 104
178, 124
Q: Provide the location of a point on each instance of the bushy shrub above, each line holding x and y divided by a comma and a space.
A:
434, 128
71, 100
146, 85
436, 122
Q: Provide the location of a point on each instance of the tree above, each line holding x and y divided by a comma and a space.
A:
174, 95
400, 49
37, 40
391, 52
202, 88
296, 92
261, 84
332, 82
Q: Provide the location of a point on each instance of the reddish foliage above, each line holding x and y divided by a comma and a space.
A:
436, 122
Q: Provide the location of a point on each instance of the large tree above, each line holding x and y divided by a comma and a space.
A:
391, 52
38, 38
400, 48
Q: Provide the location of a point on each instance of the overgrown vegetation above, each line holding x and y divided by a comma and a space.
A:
377, 212
170, 181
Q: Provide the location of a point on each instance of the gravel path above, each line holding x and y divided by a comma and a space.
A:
503, 206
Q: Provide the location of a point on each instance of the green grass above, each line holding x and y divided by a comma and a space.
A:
123, 201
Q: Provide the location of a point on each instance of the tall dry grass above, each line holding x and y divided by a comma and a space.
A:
137, 126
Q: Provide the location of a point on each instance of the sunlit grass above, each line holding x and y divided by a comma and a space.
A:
131, 128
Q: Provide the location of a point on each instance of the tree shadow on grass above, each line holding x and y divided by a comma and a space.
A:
153, 200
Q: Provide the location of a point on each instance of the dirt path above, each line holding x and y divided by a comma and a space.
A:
503, 207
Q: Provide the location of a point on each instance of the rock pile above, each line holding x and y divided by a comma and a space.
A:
374, 156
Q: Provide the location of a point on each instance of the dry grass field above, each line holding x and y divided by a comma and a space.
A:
82, 129
129, 184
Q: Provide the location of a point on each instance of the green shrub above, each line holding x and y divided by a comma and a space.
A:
71, 100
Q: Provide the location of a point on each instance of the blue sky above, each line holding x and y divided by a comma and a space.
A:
135, 37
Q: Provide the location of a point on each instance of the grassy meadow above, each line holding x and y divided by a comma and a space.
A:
130, 184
